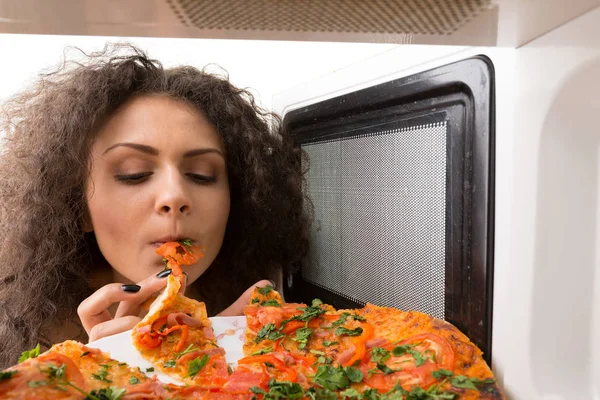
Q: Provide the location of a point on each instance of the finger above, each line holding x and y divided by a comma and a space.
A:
93, 310
237, 308
113, 327
150, 285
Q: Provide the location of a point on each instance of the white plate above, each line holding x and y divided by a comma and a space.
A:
228, 330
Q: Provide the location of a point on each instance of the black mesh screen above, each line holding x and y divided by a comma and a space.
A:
379, 233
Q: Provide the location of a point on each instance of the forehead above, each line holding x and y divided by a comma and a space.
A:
159, 121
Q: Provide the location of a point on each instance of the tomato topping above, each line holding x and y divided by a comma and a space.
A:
292, 326
360, 343
259, 317
278, 345
150, 340
288, 373
410, 363
243, 378
220, 376
307, 360
330, 317
178, 254
174, 266
214, 373
159, 323
262, 359
184, 335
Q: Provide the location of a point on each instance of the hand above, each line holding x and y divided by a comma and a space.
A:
97, 320
237, 308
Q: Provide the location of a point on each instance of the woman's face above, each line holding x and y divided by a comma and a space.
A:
158, 174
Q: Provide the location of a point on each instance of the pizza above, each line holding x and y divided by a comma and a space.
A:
291, 351
368, 353
176, 334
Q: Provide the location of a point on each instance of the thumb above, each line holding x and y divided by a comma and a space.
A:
237, 308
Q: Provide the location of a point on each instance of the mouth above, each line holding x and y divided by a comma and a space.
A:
159, 242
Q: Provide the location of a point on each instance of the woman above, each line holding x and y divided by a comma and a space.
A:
105, 160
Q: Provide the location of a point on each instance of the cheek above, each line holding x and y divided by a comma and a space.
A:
112, 218
221, 213
215, 216
107, 221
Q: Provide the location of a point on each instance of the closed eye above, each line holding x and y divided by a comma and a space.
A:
133, 179
203, 179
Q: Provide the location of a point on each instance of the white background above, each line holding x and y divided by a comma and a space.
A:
265, 66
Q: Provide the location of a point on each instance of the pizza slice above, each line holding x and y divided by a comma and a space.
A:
420, 353
263, 362
316, 332
176, 335
48, 376
71, 370
99, 371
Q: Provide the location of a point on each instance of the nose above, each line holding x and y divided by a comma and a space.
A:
173, 196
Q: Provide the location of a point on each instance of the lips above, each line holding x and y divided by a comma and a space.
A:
159, 242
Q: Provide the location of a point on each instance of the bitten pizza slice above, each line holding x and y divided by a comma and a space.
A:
176, 334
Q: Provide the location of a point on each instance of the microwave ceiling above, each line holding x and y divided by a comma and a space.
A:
457, 22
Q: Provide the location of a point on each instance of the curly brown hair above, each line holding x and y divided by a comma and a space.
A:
46, 259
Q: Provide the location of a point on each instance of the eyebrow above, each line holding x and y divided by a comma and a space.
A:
154, 152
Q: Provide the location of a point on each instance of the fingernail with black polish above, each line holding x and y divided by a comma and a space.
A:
164, 274
273, 284
131, 288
